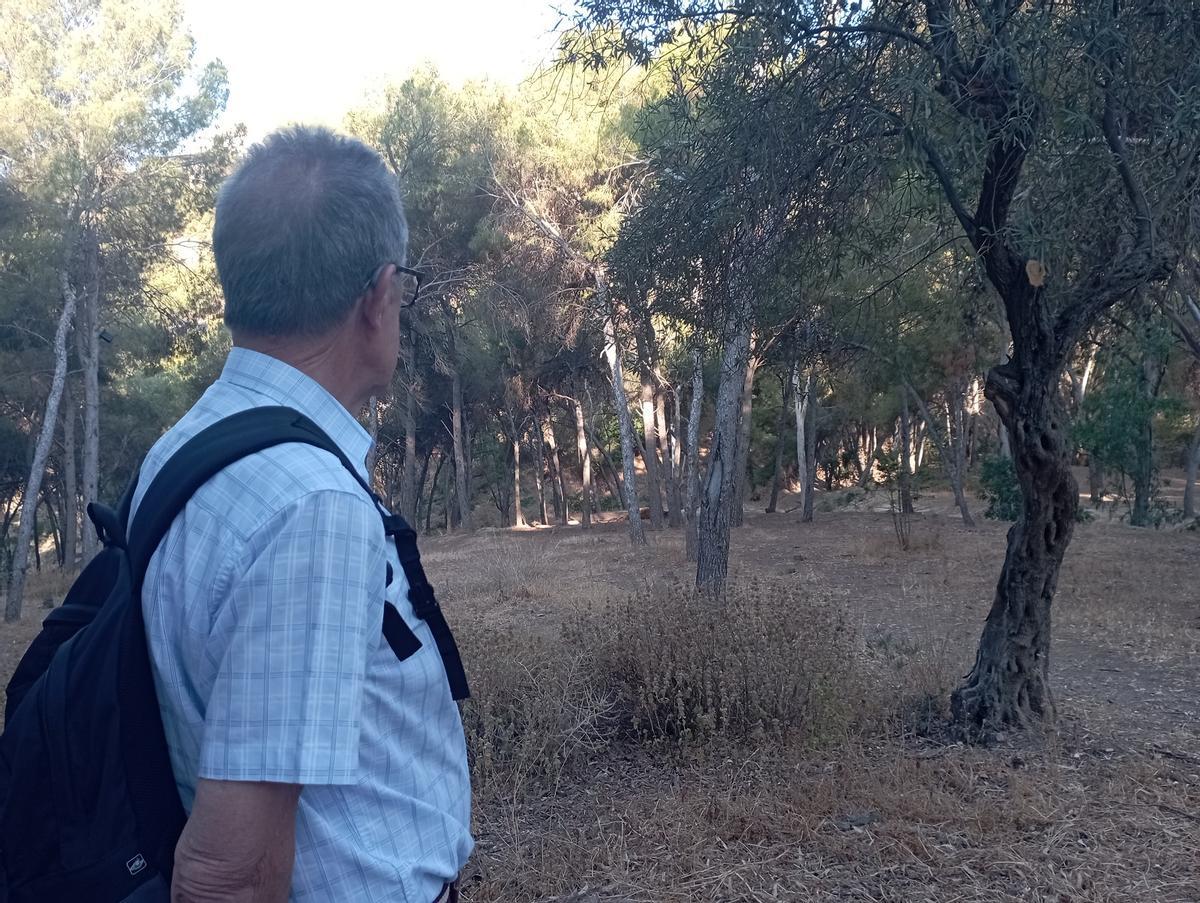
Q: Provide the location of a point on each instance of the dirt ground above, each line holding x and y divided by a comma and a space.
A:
1104, 808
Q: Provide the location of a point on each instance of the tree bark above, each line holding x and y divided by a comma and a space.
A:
433, 486
650, 453
518, 509
670, 490
1008, 687
87, 337
903, 475
780, 426
37, 470
809, 474
625, 422
559, 484
721, 482
585, 466
539, 469
458, 430
70, 480
695, 410
744, 437
1189, 484
1150, 376
675, 442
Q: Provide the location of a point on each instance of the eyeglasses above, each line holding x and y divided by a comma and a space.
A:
411, 285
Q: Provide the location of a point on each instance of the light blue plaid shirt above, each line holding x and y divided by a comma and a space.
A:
264, 614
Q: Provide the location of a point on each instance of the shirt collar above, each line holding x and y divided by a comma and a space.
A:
283, 384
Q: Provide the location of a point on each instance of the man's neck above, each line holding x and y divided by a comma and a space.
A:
320, 359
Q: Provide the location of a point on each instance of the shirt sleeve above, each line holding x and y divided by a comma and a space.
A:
304, 597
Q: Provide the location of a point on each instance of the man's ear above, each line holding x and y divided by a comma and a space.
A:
373, 305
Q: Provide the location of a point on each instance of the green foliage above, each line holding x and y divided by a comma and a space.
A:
999, 488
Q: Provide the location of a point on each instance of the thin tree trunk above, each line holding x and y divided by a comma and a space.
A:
695, 410
1150, 379
559, 484
670, 489
437, 474
37, 470
949, 452
780, 440
539, 469
457, 428
744, 437
585, 466
650, 453
809, 474
518, 508
70, 480
676, 443
903, 475
625, 422
87, 338
1189, 484
1009, 683
800, 399
721, 482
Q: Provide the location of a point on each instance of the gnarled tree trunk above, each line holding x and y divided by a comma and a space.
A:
1009, 683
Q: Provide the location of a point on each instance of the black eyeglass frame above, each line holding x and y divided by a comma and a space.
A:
408, 271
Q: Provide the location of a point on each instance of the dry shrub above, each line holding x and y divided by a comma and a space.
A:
534, 711
769, 662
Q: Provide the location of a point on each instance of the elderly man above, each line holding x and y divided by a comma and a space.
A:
314, 763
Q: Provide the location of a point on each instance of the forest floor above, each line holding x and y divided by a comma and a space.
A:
1106, 807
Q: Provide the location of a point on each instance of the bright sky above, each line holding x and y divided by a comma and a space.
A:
311, 62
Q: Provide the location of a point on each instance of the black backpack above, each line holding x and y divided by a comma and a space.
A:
89, 810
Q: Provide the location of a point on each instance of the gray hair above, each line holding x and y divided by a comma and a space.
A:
301, 226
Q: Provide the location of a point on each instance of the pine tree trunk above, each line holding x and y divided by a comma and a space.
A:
675, 442
458, 430
561, 512
1150, 378
800, 399
1189, 484
949, 447
903, 474
87, 338
780, 426
70, 480
518, 509
625, 422
1008, 687
37, 470
433, 487
585, 467
650, 454
670, 490
695, 410
539, 470
721, 483
809, 474
744, 437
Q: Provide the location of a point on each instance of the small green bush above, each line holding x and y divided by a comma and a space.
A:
999, 487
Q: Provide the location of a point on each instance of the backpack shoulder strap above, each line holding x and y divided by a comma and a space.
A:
204, 456
239, 435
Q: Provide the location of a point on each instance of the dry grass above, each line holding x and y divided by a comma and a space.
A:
572, 804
